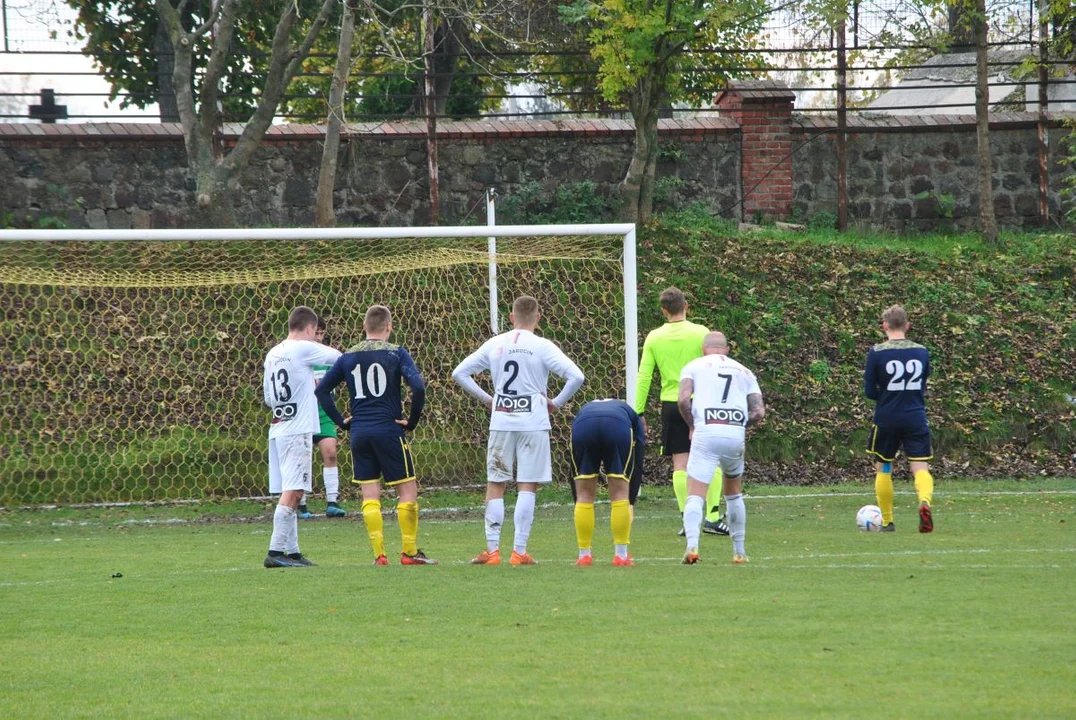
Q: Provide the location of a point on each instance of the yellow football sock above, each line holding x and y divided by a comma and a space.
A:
883, 490
713, 497
621, 521
680, 488
584, 525
924, 486
407, 516
375, 525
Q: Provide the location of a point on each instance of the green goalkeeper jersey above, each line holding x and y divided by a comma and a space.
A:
669, 348
319, 372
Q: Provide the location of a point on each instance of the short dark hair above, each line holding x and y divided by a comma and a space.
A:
377, 319
895, 317
321, 323
301, 318
673, 301
525, 309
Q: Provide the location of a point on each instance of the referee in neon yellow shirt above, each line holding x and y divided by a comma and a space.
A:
669, 348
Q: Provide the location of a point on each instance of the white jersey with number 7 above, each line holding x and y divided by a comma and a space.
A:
519, 362
721, 387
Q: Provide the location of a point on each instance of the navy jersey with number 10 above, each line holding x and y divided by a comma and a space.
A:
896, 379
373, 371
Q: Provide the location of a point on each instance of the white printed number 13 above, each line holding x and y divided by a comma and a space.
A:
913, 368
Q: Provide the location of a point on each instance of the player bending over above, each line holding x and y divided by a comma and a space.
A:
606, 434
896, 379
325, 440
726, 400
519, 362
373, 370
288, 389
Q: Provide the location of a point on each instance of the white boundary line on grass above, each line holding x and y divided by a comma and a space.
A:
748, 495
757, 562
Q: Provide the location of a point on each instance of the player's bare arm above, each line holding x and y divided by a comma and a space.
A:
756, 409
683, 402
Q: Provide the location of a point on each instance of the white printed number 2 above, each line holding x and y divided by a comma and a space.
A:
914, 370
376, 381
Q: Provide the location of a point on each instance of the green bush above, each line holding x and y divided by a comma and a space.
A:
802, 312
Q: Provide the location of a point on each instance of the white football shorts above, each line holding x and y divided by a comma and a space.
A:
290, 463
526, 450
709, 452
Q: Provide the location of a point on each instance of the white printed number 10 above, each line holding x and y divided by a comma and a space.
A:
914, 370
376, 381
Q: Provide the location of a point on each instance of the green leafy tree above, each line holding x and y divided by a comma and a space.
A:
198, 94
646, 51
131, 48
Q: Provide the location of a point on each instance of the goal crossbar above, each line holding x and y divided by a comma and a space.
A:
624, 230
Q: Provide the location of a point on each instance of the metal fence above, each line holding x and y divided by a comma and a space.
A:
876, 64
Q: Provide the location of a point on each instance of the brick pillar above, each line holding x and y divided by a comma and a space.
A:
763, 109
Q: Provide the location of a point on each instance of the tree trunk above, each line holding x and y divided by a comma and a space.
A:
324, 214
214, 187
982, 121
431, 116
216, 175
166, 96
637, 187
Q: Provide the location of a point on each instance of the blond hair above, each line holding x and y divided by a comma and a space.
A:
895, 317
377, 319
525, 310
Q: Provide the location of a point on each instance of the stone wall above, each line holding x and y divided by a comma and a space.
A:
917, 174
903, 173
136, 176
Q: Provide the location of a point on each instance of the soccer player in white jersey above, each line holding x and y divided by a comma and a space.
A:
718, 398
288, 389
519, 362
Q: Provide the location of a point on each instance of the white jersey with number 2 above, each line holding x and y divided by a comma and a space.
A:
288, 385
519, 362
719, 404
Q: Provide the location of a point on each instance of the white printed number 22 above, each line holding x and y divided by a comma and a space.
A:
914, 370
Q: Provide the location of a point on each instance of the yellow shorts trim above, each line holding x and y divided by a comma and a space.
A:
920, 459
365, 482
401, 482
592, 476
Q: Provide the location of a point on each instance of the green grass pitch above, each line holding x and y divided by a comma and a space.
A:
976, 620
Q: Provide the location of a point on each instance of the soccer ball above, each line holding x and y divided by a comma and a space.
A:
869, 518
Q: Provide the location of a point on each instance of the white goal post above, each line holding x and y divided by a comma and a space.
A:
131, 356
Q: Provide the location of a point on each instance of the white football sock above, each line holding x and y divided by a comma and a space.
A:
494, 521
737, 519
331, 476
621, 551
585, 552
292, 547
302, 500
524, 519
693, 520
282, 517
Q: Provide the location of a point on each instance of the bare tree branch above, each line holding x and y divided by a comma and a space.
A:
208, 114
208, 24
284, 62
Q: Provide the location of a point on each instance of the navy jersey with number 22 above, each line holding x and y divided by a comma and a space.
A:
373, 371
896, 379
